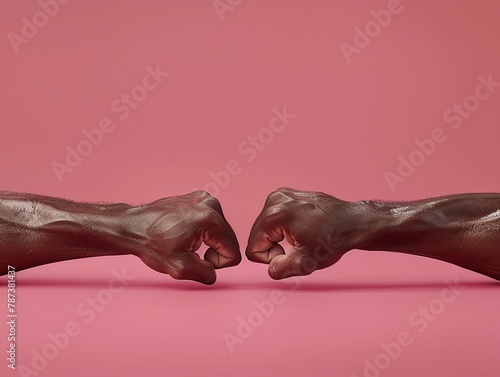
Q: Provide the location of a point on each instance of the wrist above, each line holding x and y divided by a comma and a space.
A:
108, 229
398, 226
133, 229
372, 220
356, 224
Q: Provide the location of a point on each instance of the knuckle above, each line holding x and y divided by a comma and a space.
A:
274, 215
250, 255
277, 196
201, 193
211, 202
234, 261
204, 198
211, 217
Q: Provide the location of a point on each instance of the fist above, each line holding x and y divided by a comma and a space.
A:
319, 228
173, 229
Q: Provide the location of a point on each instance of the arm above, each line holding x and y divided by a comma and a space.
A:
459, 229
36, 230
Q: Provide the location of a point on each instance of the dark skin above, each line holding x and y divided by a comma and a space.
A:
459, 229
36, 230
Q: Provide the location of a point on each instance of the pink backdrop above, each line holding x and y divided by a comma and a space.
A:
392, 100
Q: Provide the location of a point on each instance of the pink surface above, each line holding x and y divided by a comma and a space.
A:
231, 68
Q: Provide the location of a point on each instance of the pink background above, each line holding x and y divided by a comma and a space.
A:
226, 77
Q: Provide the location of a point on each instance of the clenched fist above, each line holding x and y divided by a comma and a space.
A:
164, 234
176, 227
460, 229
319, 228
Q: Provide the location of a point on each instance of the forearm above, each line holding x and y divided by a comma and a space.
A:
460, 229
36, 230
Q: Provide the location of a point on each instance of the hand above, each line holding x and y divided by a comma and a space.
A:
176, 227
320, 228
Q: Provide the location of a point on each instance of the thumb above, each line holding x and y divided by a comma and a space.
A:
189, 266
287, 265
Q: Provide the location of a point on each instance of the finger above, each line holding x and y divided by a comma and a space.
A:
189, 266
288, 265
264, 235
218, 260
224, 250
262, 248
263, 243
215, 205
259, 242
266, 256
